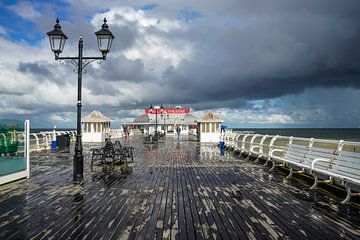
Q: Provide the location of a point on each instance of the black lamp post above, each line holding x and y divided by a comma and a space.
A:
164, 117
156, 112
57, 42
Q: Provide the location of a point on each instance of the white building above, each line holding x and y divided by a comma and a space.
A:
208, 127
96, 127
166, 120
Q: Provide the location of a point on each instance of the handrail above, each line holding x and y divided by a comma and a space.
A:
40, 141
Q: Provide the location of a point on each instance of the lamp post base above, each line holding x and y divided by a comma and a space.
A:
78, 166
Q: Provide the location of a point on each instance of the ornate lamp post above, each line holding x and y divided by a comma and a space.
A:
164, 117
156, 108
57, 42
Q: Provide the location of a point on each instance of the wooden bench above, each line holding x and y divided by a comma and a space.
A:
324, 164
127, 151
115, 153
300, 157
326, 160
231, 141
161, 135
343, 168
151, 139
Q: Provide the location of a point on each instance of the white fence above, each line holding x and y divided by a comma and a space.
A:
42, 141
262, 146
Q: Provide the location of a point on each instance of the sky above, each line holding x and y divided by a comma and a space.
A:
255, 63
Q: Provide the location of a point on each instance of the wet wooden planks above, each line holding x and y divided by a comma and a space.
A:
177, 190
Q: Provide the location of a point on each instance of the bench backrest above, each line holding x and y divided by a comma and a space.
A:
296, 153
307, 153
255, 143
109, 147
246, 142
316, 152
117, 145
347, 163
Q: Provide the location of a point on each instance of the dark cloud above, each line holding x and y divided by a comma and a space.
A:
240, 51
122, 69
34, 68
124, 37
268, 53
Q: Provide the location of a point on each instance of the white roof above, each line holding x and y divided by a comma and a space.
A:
95, 117
209, 117
170, 119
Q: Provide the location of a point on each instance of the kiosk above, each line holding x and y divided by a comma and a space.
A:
208, 128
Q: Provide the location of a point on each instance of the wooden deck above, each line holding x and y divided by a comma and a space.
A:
175, 190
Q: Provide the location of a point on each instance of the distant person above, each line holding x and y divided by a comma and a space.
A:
178, 130
126, 133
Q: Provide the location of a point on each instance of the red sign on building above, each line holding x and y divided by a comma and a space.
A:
167, 111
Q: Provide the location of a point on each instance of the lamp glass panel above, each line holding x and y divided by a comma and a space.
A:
62, 44
57, 43
103, 42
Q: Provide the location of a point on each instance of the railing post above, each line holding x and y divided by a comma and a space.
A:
27, 146
252, 143
261, 145
37, 141
243, 142
271, 145
45, 140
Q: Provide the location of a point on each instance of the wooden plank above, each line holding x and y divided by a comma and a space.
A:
192, 191
160, 223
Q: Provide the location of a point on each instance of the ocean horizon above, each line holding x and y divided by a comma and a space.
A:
348, 134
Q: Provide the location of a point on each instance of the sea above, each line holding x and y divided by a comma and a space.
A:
38, 130
347, 134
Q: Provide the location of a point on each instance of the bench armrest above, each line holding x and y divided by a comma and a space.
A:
276, 150
318, 160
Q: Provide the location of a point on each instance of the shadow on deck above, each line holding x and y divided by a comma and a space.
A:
175, 190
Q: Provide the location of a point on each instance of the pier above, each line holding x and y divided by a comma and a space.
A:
173, 190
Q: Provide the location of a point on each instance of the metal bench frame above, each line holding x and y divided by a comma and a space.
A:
116, 152
321, 168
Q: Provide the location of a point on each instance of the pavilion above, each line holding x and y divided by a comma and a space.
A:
96, 127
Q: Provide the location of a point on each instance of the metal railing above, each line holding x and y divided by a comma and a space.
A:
42, 140
264, 145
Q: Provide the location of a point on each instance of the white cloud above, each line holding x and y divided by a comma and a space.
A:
25, 10
122, 16
248, 116
158, 51
217, 59
62, 117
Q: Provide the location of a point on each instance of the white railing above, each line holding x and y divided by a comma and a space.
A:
267, 146
41, 141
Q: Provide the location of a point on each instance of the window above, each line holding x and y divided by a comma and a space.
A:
213, 127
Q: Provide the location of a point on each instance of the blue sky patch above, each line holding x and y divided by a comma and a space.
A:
20, 29
149, 6
188, 15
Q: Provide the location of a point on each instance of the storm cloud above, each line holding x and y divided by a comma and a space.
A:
238, 56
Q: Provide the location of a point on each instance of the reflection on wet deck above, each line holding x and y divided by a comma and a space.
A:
176, 190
